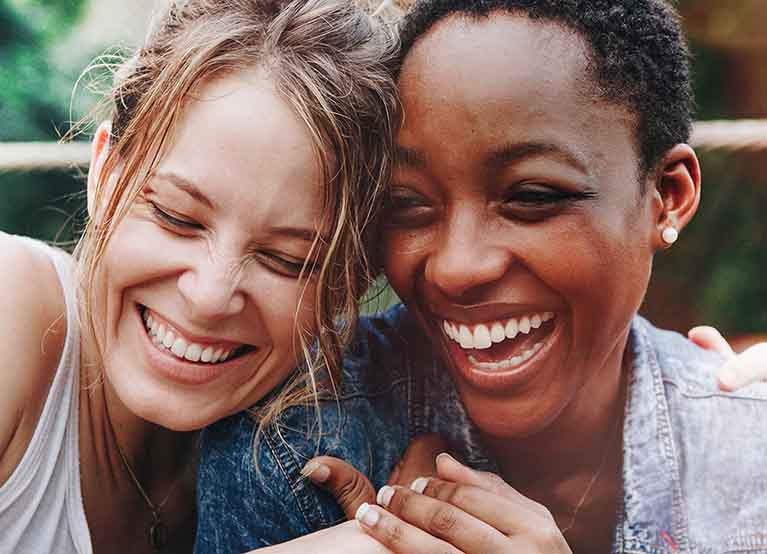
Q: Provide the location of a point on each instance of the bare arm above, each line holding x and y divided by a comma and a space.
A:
33, 334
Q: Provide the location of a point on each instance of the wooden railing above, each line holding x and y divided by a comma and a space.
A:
737, 135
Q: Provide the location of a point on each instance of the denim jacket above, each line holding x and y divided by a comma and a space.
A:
694, 468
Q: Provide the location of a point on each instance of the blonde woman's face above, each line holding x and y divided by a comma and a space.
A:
199, 289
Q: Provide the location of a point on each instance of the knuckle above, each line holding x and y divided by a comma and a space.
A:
351, 489
393, 533
548, 538
443, 521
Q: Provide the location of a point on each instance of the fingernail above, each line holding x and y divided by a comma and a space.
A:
384, 496
419, 485
317, 472
447, 457
366, 515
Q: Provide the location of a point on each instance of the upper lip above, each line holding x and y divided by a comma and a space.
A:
473, 315
199, 339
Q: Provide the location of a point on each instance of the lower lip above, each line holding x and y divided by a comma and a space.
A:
493, 381
177, 370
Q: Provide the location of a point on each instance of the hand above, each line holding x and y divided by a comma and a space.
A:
740, 370
460, 512
352, 488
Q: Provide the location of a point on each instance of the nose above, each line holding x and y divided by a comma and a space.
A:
466, 259
212, 290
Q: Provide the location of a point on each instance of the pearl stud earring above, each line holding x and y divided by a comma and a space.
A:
670, 235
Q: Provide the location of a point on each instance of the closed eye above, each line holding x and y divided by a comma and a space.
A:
174, 221
288, 267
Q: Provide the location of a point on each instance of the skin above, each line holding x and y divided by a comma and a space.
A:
228, 273
474, 240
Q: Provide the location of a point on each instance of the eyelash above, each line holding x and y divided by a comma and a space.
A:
168, 219
543, 198
292, 269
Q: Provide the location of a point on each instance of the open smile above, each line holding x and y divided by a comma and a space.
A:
186, 358
502, 352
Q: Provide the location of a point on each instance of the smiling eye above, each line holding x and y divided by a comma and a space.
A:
534, 202
288, 267
173, 221
407, 207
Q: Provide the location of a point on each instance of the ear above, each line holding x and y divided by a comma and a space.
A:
677, 191
99, 151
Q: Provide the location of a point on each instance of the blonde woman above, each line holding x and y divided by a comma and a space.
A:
228, 200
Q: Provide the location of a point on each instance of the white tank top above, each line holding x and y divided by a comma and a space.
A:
41, 505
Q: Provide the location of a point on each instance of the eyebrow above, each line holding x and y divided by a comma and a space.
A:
186, 186
516, 152
307, 235
408, 157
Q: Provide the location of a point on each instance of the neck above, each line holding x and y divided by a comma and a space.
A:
583, 444
157, 456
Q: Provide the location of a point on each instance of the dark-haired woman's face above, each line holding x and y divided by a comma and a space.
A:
517, 233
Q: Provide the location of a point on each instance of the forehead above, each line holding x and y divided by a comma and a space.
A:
505, 78
241, 143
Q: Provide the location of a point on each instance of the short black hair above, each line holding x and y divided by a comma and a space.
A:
640, 56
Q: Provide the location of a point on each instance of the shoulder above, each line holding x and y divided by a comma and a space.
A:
682, 363
33, 325
385, 349
720, 442
250, 486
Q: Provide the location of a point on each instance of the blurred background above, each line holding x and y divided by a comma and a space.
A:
715, 274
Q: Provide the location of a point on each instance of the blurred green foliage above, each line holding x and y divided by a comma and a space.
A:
34, 105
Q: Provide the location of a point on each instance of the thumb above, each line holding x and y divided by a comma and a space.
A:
350, 487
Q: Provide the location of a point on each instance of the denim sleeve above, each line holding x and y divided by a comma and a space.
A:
251, 496
245, 502
242, 505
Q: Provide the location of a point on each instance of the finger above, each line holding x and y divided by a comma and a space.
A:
398, 536
510, 516
710, 339
450, 469
347, 484
419, 460
748, 367
443, 520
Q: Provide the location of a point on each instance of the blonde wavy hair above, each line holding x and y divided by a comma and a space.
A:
332, 63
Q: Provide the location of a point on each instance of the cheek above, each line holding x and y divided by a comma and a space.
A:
287, 307
404, 252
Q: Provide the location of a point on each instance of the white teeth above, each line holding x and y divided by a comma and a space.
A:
510, 363
179, 347
169, 340
160, 333
193, 352
497, 333
207, 354
165, 338
512, 328
483, 336
482, 339
524, 325
466, 338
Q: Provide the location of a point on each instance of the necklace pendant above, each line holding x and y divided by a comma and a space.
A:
158, 536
